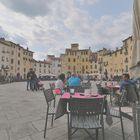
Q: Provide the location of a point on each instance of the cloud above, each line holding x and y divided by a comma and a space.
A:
40, 55
3, 33
19, 40
53, 31
87, 2
29, 7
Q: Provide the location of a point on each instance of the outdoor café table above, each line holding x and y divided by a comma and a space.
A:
62, 105
113, 88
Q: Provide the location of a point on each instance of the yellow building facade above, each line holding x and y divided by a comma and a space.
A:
119, 61
104, 62
76, 61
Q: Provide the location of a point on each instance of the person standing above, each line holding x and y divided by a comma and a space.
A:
33, 81
29, 74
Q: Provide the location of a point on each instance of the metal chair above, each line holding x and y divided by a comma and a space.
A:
85, 114
50, 100
117, 111
86, 85
132, 94
104, 91
52, 86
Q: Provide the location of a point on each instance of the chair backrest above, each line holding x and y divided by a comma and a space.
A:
102, 90
86, 85
52, 86
86, 106
79, 89
49, 96
131, 93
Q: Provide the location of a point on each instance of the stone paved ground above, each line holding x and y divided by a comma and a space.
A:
22, 117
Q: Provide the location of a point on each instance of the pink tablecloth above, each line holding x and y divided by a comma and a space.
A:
80, 95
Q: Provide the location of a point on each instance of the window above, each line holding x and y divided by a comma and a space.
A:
73, 59
18, 62
95, 66
18, 54
12, 52
2, 59
68, 59
126, 60
126, 68
73, 68
24, 69
12, 61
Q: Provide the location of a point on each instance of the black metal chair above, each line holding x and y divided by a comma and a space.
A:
132, 93
132, 96
52, 86
117, 111
85, 114
104, 91
86, 85
50, 100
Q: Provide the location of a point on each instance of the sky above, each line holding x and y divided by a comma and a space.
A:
51, 26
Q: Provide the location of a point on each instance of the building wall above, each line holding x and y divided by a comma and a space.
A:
17, 58
41, 68
4, 59
119, 60
75, 60
55, 64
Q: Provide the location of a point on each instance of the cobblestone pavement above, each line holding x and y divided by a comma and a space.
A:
22, 117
